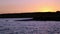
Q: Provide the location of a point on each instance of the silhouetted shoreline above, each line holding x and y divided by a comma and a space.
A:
35, 15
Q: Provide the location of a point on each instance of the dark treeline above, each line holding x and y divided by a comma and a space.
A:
34, 15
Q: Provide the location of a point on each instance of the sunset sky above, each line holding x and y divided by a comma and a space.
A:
18, 6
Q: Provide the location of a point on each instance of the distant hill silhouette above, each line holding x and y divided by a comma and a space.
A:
51, 16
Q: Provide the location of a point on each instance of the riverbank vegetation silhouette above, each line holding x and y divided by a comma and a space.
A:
55, 16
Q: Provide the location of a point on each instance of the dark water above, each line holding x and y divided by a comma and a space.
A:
10, 26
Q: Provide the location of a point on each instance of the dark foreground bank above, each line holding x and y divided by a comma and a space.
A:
38, 16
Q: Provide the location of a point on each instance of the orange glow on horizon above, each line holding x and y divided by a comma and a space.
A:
46, 9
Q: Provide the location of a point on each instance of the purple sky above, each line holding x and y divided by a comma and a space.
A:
18, 6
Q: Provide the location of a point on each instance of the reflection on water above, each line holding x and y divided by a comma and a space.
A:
9, 26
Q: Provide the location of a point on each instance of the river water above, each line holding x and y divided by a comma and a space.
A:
11, 26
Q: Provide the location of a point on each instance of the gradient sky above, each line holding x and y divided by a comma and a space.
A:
18, 6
